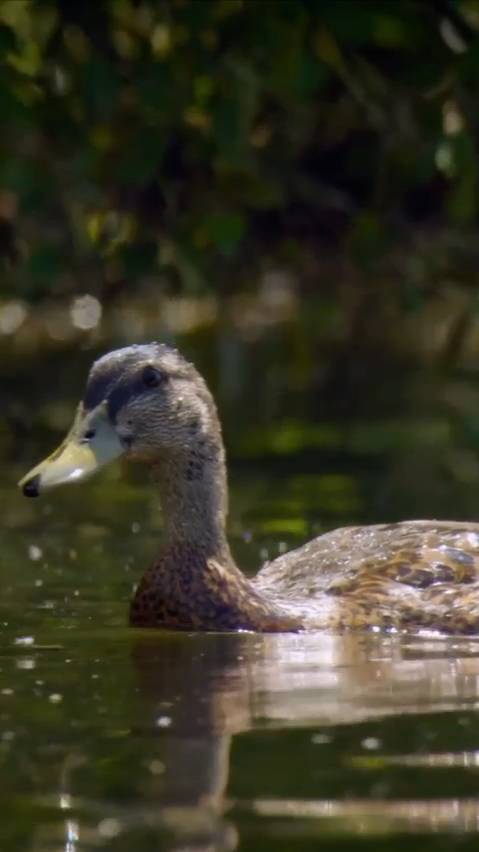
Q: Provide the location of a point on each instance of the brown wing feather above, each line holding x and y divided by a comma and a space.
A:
412, 574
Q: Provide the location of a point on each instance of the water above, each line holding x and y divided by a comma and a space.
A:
119, 739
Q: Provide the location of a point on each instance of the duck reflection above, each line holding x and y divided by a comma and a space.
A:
237, 738
198, 692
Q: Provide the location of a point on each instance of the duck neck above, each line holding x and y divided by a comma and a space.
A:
195, 583
194, 497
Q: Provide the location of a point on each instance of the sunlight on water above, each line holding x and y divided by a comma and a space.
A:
114, 738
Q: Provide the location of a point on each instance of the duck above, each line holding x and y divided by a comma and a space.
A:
149, 404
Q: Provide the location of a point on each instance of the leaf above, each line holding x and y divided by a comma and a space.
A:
225, 230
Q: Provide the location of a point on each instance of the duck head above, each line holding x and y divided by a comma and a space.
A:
143, 402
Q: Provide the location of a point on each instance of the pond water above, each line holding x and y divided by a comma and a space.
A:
121, 739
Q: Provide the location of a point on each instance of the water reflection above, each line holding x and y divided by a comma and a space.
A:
241, 741
212, 688
380, 816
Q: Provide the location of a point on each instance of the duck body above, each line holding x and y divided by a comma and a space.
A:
411, 575
408, 575
150, 405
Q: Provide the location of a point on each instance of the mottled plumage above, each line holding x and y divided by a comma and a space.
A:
154, 407
414, 574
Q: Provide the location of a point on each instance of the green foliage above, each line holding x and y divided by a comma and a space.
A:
195, 131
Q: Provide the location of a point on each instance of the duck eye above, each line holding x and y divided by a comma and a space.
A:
151, 377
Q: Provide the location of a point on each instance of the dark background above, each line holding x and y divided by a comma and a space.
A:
288, 191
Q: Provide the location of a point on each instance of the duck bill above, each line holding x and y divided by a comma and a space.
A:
91, 443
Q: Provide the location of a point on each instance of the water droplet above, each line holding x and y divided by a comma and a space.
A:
109, 827
34, 552
321, 739
24, 640
371, 743
26, 663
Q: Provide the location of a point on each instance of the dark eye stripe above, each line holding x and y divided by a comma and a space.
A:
122, 393
128, 388
118, 383
99, 387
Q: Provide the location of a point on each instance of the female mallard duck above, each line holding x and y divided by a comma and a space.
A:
148, 404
